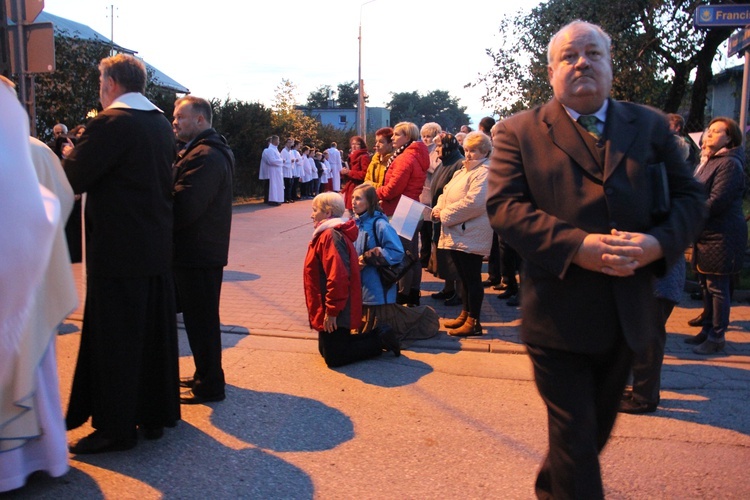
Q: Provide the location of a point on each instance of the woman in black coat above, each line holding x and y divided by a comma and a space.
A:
720, 249
441, 265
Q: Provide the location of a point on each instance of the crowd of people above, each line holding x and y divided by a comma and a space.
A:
298, 172
585, 198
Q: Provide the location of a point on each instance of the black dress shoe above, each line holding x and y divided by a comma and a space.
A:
453, 300
187, 382
509, 292
442, 295
489, 282
635, 407
152, 433
502, 286
696, 295
190, 398
709, 347
514, 301
97, 442
697, 321
696, 339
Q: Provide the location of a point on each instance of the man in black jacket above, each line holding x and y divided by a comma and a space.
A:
202, 221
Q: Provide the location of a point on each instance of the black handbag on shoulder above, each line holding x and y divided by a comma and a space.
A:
389, 273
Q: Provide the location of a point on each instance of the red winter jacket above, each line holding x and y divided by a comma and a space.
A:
359, 160
406, 176
331, 275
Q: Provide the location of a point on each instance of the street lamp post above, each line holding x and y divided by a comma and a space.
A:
361, 118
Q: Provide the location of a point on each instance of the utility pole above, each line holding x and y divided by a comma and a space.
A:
31, 48
361, 110
111, 29
4, 52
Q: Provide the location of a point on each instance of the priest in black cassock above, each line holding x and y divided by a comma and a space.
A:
127, 373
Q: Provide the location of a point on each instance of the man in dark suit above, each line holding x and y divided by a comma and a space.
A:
127, 373
202, 221
578, 202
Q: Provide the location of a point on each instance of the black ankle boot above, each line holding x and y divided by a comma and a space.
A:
388, 339
414, 297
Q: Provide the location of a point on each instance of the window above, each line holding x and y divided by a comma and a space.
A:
342, 118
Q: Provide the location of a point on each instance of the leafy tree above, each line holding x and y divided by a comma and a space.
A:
348, 95
654, 49
68, 94
287, 120
318, 98
245, 126
435, 106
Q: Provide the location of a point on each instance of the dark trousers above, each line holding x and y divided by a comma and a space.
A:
647, 363
716, 304
199, 289
266, 187
494, 267
412, 280
73, 233
295, 188
288, 183
469, 267
510, 263
425, 236
127, 372
582, 393
340, 347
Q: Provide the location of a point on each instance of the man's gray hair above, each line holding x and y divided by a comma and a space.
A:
126, 70
604, 36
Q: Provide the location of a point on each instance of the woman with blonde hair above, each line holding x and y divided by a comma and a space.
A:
466, 230
405, 174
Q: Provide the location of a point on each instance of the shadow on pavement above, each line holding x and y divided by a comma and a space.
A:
239, 276
177, 467
401, 371
709, 395
41, 486
280, 422
66, 327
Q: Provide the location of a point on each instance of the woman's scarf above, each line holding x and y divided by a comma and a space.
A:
396, 153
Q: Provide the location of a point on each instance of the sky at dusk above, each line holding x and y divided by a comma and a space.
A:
243, 49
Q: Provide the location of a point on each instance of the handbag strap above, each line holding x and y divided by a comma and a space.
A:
377, 244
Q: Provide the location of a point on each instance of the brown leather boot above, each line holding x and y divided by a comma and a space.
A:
471, 327
455, 323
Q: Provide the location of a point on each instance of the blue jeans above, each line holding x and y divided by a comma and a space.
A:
716, 304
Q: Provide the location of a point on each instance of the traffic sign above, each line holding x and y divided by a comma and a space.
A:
711, 16
40, 48
738, 42
31, 9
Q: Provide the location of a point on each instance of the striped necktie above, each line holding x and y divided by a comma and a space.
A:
589, 122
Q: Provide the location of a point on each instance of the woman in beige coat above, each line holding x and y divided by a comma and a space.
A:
466, 230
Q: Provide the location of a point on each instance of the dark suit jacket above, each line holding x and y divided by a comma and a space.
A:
547, 191
123, 162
